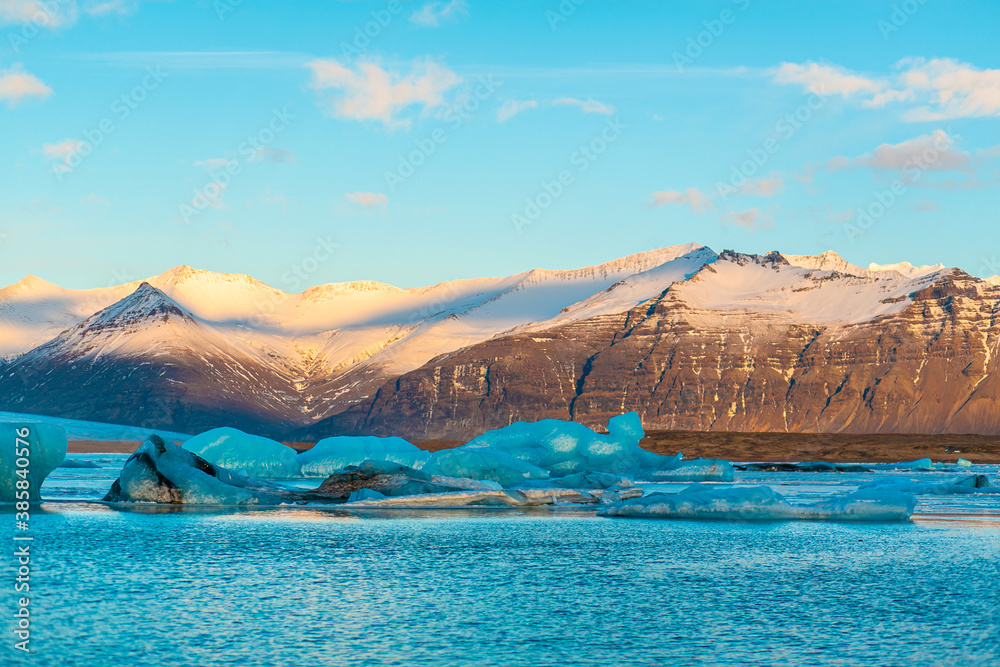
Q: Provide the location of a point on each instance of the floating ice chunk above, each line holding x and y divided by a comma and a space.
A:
565, 448
915, 466
482, 463
815, 466
331, 454
582, 480
365, 494
389, 479
963, 463
160, 472
251, 455
40, 447
464, 498
761, 503
695, 470
970, 485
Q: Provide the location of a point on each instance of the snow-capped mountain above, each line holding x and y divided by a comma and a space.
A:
191, 349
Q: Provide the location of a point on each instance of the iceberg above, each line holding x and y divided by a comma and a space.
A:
332, 454
28, 453
387, 478
915, 466
251, 455
761, 503
483, 463
965, 486
161, 472
566, 448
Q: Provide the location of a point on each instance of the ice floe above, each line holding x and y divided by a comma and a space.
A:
965, 486
761, 503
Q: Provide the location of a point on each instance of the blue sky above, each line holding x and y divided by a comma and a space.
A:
462, 139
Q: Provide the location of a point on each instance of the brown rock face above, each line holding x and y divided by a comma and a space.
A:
927, 364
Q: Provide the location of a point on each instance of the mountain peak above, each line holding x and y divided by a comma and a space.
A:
145, 304
994, 280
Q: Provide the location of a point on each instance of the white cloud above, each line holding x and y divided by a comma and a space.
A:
928, 152
957, 90
53, 14
698, 201
367, 199
432, 14
767, 186
825, 79
587, 106
511, 108
942, 88
60, 154
752, 219
16, 84
369, 92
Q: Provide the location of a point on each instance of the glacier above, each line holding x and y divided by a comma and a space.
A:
761, 503
332, 454
251, 455
44, 452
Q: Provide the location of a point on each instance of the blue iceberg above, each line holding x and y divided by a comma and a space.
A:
761, 503
30, 451
251, 455
960, 486
566, 447
332, 454
483, 463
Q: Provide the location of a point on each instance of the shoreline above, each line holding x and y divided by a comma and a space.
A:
758, 447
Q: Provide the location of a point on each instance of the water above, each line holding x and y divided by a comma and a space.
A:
163, 586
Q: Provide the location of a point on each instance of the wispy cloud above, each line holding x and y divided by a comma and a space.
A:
61, 154
369, 92
55, 14
511, 108
433, 14
752, 219
370, 200
16, 85
941, 88
697, 200
586, 106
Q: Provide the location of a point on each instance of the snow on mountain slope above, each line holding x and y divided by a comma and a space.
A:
831, 261
994, 280
771, 285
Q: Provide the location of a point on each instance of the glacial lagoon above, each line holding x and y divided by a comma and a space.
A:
507, 586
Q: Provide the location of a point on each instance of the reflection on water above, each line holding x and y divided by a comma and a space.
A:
324, 586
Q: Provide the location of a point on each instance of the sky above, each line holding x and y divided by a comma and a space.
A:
415, 142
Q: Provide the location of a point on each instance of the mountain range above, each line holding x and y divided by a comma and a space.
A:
691, 339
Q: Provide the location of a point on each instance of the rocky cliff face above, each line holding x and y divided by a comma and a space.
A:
791, 356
